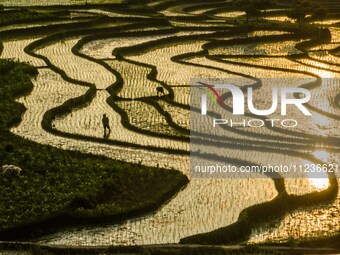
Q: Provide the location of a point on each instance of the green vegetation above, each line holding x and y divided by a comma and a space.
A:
301, 9
58, 183
23, 15
255, 8
95, 1
279, 249
249, 8
320, 14
264, 5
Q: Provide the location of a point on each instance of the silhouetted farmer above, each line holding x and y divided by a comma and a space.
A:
160, 90
106, 125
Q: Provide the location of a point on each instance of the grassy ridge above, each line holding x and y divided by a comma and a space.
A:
22, 16
172, 249
58, 183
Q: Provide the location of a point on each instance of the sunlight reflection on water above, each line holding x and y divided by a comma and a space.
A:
320, 179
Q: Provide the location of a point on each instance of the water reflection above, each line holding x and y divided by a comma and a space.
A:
322, 123
322, 155
319, 180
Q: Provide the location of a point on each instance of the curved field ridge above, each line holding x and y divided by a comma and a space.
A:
113, 63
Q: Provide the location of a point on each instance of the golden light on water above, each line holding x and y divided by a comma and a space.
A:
319, 183
319, 180
322, 155
324, 73
322, 123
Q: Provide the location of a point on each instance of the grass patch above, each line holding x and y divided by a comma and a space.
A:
307, 31
96, 1
57, 182
23, 15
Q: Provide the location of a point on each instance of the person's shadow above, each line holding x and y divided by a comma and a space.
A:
106, 134
106, 125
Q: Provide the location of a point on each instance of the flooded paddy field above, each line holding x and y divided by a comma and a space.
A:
123, 69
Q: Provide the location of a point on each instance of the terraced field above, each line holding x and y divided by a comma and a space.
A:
114, 64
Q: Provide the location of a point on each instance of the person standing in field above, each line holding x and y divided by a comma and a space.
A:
106, 125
